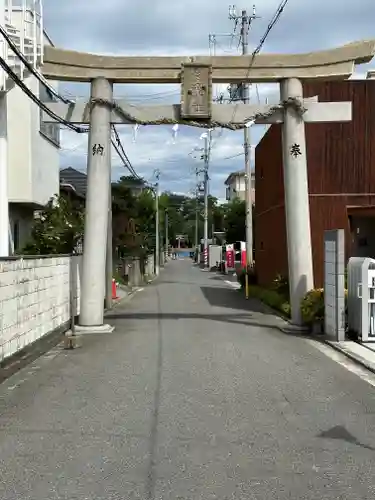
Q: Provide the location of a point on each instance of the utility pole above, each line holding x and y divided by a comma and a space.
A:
196, 219
246, 21
157, 244
207, 150
196, 208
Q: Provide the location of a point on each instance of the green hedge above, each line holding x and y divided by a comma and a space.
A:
271, 298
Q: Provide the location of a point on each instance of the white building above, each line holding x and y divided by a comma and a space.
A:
236, 186
28, 147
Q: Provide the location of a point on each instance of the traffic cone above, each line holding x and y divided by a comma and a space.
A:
114, 289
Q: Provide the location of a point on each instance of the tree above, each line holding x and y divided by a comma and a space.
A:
133, 219
234, 215
132, 180
57, 229
178, 214
235, 221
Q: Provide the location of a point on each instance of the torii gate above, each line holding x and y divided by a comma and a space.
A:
196, 75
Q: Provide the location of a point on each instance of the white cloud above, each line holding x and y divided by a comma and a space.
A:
163, 27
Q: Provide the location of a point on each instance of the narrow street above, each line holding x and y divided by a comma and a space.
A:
195, 396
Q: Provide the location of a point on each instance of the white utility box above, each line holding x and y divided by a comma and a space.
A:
361, 297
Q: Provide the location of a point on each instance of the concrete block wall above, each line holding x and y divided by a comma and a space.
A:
334, 284
37, 296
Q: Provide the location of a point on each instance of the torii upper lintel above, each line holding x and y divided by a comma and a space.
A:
337, 63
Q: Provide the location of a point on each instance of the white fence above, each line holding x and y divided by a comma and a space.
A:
37, 296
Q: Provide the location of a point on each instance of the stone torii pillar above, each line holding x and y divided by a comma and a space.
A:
297, 208
91, 316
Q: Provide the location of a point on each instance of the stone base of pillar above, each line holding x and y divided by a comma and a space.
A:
294, 328
84, 330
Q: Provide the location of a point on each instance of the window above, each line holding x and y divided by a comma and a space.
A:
50, 130
16, 235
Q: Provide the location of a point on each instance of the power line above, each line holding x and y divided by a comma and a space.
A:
233, 156
30, 67
125, 163
8, 70
122, 154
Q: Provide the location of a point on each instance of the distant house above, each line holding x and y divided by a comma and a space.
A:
236, 186
73, 182
135, 184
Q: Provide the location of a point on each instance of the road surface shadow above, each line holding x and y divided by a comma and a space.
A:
171, 282
246, 319
339, 432
232, 299
217, 278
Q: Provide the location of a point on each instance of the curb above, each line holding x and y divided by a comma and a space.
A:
356, 358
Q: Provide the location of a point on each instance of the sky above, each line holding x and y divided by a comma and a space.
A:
182, 27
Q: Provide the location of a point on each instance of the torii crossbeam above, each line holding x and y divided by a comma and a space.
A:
230, 116
196, 75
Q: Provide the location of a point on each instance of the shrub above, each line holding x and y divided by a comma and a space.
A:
281, 285
271, 298
312, 306
276, 301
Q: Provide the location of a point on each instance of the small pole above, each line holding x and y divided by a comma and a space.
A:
246, 284
196, 212
157, 244
109, 255
166, 233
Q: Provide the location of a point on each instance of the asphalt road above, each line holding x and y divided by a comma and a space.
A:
195, 396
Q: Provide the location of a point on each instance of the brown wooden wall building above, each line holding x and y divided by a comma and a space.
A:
341, 172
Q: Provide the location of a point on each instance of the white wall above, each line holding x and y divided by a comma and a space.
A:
45, 157
237, 188
35, 299
19, 146
240, 184
33, 160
